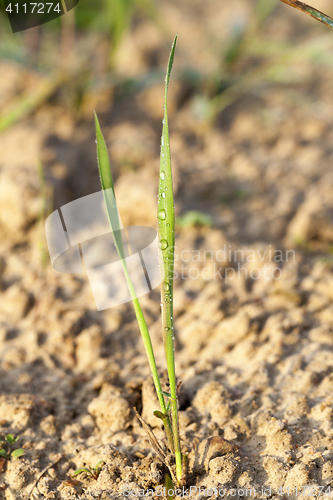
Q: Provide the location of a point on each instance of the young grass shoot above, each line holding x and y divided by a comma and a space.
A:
5, 447
166, 235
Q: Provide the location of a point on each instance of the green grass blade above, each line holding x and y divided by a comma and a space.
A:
311, 11
169, 487
111, 206
166, 234
98, 466
31, 101
108, 189
79, 471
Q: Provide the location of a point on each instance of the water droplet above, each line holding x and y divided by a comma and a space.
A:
166, 189
163, 244
163, 195
162, 140
166, 328
162, 175
166, 286
161, 214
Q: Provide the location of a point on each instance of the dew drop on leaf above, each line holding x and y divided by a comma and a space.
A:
161, 214
162, 175
163, 244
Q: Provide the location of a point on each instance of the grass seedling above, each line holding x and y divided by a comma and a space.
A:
5, 447
166, 234
94, 472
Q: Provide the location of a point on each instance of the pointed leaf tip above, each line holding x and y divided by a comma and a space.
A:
170, 62
103, 158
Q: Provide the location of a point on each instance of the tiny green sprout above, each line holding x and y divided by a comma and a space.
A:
194, 218
5, 452
94, 472
11, 439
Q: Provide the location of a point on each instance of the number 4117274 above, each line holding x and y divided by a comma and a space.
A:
38, 8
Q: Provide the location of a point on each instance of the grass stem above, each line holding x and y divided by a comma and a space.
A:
166, 232
108, 189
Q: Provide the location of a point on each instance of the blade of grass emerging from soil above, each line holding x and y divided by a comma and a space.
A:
111, 206
166, 233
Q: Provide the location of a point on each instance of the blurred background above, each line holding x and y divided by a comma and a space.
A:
250, 105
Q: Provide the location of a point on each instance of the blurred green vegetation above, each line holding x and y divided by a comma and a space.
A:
194, 218
77, 52
108, 19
